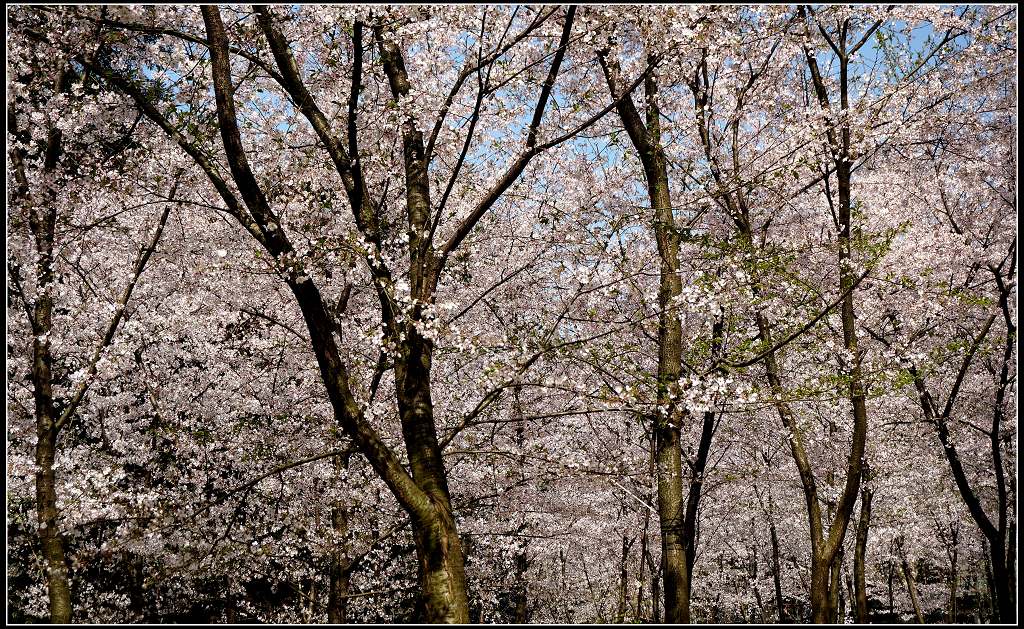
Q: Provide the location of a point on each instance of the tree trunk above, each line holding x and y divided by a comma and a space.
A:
644, 550
230, 611
42, 223
951, 612
821, 609
835, 590
441, 572
441, 561
656, 592
859, 555
670, 507
990, 588
137, 589
754, 571
522, 562
521, 593
908, 576
839, 144
337, 594
851, 595
892, 598
697, 468
952, 552
646, 138
50, 538
668, 459
1011, 572
424, 493
911, 588
780, 604
1004, 603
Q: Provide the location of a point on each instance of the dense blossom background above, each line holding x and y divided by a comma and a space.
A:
201, 473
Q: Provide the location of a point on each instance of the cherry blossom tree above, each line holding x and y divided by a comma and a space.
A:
511, 313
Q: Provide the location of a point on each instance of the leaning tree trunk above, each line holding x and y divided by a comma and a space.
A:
908, 576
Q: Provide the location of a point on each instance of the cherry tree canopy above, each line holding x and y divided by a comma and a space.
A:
482, 313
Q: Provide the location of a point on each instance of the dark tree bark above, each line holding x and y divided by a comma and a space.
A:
656, 588
851, 596
825, 545
50, 417
644, 550
520, 593
230, 609
341, 563
835, 593
838, 134
953, 552
999, 534
780, 603
423, 493
860, 551
646, 138
42, 221
50, 538
892, 598
678, 520
990, 589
